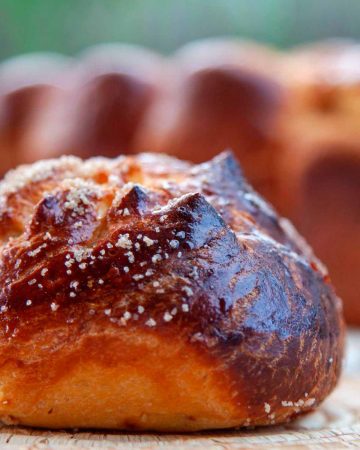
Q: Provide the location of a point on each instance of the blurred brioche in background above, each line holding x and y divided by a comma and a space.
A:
223, 94
319, 171
24, 82
292, 118
110, 88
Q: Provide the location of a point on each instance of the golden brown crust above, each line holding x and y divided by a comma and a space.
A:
145, 292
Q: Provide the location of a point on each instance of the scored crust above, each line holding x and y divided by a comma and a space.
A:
149, 293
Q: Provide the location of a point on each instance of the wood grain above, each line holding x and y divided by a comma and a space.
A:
336, 424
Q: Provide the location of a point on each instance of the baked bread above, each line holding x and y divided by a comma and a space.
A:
149, 293
284, 114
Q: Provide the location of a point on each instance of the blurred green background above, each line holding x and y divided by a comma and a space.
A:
69, 25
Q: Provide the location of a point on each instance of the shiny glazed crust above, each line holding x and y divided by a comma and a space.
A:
148, 293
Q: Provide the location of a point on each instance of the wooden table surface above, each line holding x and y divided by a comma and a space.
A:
336, 424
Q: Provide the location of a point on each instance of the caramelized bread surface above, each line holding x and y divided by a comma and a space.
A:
149, 293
